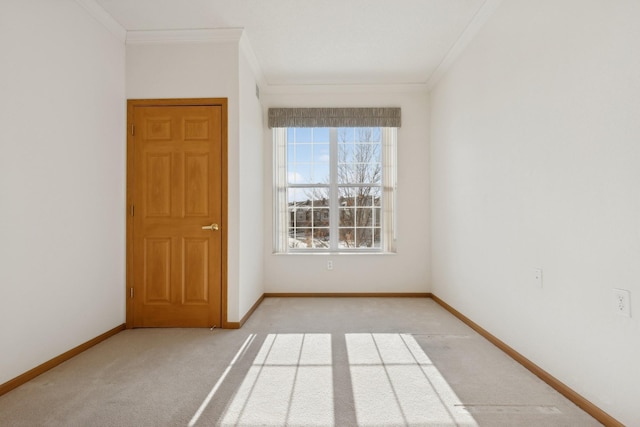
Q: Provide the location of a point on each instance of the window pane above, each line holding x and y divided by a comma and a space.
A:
368, 237
303, 173
309, 238
364, 217
360, 196
359, 217
321, 217
345, 153
347, 217
302, 134
301, 151
308, 218
359, 237
368, 135
299, 173
308, 155
346, 135
321, 153
321, 134
361, 162
321, 165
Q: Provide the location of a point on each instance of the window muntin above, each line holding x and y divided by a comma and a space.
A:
335, 191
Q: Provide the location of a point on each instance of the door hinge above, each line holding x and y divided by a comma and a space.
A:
131, 293
132, 210
133, 129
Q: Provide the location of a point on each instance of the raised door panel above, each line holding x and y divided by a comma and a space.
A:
157, 271
158, 185
196, 185
158, 129
196, 128
195, 271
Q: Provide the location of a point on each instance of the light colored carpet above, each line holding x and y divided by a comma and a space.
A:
297, 362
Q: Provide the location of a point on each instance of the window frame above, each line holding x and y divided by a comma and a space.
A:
388, 188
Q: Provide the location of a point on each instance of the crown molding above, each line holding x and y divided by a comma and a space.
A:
478, 21
103, 17
346, 88
212, 35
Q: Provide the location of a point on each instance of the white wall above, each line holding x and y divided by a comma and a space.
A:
187, 70
214, 70
251, 280
408, 269
62, 181
536, 163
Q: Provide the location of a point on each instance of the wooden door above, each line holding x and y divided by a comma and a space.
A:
176, 215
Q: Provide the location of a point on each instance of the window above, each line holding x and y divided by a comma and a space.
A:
334, 188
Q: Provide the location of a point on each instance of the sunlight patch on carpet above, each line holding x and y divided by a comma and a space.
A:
391, 379
289, 383
395, 383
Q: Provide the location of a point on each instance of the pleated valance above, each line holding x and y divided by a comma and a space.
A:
334, 117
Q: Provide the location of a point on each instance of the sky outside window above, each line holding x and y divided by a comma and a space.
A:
308, 155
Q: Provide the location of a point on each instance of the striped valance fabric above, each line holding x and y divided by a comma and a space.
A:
334, 117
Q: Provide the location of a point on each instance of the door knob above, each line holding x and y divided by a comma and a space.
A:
211, 227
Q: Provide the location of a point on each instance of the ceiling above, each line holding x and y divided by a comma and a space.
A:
319, 42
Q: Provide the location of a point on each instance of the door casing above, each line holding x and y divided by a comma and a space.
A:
131, 105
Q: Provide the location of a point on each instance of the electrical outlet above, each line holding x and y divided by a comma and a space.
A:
537, 277
329, 265
622, 302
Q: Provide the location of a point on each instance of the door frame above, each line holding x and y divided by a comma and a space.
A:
131, 105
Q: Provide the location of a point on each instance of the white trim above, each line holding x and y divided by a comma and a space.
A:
104, 18
280, 221
334, 193
213, 35
477, 22
386, 209
272, 89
